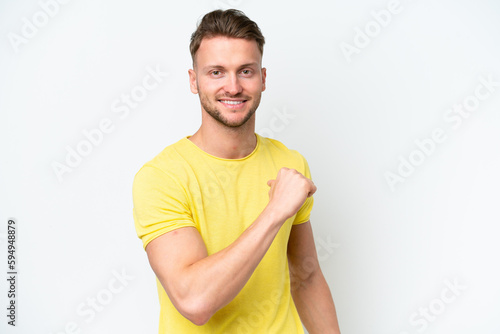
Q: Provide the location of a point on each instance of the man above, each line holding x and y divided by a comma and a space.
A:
224, 214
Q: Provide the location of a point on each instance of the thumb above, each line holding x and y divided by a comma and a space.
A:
270, 183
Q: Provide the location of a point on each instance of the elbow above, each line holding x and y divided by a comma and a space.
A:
197, 311
199, 319
196, 306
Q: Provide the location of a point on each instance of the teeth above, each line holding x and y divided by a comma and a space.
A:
232, 102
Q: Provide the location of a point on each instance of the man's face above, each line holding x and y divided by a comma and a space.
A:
229, 78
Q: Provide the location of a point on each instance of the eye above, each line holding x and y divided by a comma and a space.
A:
216, 73
246, 72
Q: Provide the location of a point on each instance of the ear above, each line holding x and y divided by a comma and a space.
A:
192, 81
264, 79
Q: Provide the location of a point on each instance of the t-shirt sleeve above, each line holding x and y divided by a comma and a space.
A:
304, 212
160, 204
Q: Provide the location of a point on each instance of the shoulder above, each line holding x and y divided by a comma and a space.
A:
170, 163
281, 152
277, 146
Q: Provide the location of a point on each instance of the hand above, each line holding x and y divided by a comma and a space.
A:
288, 192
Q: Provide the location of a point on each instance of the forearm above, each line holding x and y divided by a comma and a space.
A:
315, 305
215, 280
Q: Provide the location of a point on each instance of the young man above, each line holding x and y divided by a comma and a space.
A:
224, 214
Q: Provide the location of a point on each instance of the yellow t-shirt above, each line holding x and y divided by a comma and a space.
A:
185, 186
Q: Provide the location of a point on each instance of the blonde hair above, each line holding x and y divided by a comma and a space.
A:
228, 23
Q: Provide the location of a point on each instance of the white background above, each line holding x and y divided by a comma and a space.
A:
386, 252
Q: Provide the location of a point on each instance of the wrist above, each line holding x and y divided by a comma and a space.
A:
274, 215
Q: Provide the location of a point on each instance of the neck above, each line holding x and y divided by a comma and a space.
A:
226, 142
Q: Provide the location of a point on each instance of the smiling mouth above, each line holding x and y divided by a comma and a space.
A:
235, 105
232, 102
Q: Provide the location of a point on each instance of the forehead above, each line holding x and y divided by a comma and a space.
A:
227, 51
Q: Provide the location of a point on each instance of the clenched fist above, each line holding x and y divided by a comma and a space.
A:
288, 192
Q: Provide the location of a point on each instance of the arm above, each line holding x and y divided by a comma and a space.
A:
310, 291
199, 285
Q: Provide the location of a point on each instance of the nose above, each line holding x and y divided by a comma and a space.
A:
233, 86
